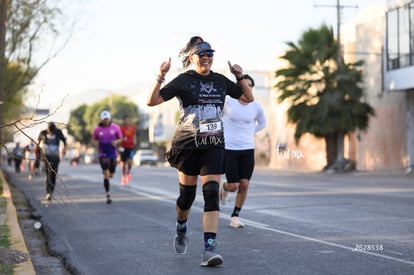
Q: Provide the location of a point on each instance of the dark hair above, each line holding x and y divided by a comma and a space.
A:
184, 53
51, 126
246, 76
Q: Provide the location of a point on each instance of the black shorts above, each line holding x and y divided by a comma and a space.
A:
108, 164
239, 164
194, 162
127, 153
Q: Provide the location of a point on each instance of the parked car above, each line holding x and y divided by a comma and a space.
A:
145, 156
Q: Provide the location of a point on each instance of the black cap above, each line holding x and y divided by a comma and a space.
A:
200, 47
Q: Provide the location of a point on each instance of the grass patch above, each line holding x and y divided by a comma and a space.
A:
4, 230
5, 242
5, 268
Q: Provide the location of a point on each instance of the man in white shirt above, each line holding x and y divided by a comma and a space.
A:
241, 120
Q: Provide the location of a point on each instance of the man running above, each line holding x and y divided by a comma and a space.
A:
106, 136
127, 148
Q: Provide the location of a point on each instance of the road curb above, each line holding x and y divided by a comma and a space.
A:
16, 236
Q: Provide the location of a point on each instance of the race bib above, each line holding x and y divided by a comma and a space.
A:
209, 127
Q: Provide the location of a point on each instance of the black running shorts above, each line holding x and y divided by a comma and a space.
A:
194, 162
108, 164
239, 164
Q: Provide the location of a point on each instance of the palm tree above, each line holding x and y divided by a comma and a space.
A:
324, 98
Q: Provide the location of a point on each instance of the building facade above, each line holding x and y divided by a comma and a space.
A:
382, 36
385, 41
399, 69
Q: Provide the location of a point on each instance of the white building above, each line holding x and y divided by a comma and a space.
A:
399, 65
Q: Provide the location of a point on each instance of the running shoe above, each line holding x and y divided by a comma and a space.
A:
223, 195
123, 180
180, 243
128, 178
180, 240
48, 197
236, 222
211, 258
108, 199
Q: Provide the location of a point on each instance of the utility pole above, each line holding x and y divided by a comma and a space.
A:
340, 135
3, 26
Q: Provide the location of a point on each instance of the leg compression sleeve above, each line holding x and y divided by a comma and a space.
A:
211, 196
187, 196
106, 185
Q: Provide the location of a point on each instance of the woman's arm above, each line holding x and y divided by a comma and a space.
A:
154, 97
247, 95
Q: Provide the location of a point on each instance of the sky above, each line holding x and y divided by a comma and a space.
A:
120, 44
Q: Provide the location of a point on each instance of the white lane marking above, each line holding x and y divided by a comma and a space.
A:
268, 228
161, 196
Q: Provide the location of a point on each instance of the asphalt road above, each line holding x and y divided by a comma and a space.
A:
296, 223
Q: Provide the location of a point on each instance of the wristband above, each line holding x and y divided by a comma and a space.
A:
160, 79
240, 78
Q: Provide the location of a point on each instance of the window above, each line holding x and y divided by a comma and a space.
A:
400, 37
404, 36
392, 40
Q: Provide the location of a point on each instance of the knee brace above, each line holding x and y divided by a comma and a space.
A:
187, 196
211, 196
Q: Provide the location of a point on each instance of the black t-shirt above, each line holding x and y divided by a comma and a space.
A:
201, 101
51, 141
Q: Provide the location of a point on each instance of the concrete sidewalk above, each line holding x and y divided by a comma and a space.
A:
9, 217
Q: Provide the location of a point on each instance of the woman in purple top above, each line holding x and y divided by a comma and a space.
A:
106, 136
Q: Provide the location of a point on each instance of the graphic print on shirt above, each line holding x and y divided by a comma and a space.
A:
51, 145
200, 97
205, 117
207, 87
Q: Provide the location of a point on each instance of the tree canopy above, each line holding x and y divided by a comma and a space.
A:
35, 32
85, 118
325, 98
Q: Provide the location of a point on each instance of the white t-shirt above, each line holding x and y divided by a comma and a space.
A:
240, 123
31, 152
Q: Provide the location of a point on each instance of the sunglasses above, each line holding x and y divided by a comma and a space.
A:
205, 53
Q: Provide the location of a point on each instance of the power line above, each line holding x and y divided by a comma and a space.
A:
338, 7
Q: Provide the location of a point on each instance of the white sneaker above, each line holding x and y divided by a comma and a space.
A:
48, 197
236, 222
223, 195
